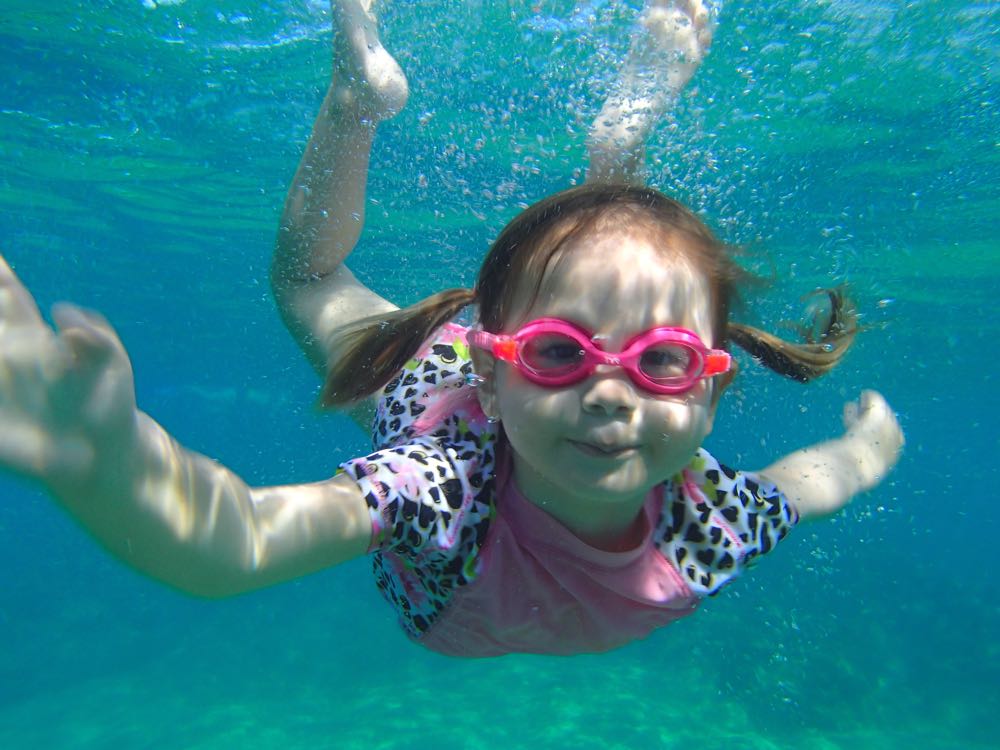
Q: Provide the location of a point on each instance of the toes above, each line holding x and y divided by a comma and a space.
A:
699, 15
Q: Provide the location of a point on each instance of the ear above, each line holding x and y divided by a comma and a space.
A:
719, 385
484, 364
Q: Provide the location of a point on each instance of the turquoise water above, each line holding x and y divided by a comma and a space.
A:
144, 152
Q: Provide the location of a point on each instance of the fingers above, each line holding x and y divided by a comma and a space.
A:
99, 367
869, 403
58, 392
871, 415
874, 404
850, 414
17, 306
89, 337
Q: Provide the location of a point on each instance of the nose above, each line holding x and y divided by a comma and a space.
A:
608, 391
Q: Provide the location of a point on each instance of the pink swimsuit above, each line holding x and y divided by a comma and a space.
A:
475, 569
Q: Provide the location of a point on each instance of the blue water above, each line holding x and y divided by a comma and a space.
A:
144, 152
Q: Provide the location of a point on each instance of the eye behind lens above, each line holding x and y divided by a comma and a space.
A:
670, 363
552, 354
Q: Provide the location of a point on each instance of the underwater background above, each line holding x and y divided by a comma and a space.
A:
145, 148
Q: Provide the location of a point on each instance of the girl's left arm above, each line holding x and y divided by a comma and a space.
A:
822, 479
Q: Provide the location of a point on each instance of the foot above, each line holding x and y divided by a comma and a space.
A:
365, 74
678, 35
669, 43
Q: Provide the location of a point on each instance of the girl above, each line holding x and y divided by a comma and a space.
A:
538, 483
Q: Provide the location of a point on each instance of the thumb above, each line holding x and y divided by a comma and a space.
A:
89, 338
98, 377
851, 414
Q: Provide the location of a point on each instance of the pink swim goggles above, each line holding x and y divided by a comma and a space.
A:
553, 353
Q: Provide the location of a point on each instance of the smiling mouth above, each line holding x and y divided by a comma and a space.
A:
604, 451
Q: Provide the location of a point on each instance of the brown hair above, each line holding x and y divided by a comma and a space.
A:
369, 353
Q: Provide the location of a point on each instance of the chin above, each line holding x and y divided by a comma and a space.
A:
618, 486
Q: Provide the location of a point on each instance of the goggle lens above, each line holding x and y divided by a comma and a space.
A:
555, 353
552, 354
668, 363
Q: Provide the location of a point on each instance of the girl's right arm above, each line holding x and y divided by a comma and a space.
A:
68, 419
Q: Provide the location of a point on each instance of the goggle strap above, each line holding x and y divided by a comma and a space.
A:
717, 362
502, 347
505, 349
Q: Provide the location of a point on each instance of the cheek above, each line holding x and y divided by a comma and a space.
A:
524, 404
684, 421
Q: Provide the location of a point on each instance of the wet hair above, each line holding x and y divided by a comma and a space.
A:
370, 352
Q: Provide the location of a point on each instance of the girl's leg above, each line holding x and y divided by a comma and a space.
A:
324, 210
668, 45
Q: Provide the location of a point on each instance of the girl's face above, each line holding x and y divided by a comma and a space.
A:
588, 453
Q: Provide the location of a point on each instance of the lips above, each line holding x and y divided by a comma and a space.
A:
604, 450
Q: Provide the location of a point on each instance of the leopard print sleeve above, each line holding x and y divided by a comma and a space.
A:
429, 483
715, 521
421, 495
433, 456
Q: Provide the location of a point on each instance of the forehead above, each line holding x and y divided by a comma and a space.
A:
618, 284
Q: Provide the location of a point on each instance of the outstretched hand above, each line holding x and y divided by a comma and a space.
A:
871, 421
821, 479
66, 395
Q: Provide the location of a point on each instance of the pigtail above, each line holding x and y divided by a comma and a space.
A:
370, 352
818, 355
